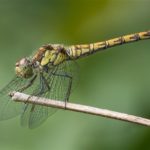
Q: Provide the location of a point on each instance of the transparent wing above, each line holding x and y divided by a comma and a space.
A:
33, 115
9, 108
58, 80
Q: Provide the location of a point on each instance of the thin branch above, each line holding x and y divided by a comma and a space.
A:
21, 97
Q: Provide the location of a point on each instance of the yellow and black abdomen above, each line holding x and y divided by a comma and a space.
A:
55, 54
77, 51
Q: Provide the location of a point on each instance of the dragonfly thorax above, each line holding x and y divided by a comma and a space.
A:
24, 68
51, 54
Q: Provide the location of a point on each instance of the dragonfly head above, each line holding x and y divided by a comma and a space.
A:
24, 68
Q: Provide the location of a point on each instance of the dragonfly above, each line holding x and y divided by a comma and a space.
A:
49, 73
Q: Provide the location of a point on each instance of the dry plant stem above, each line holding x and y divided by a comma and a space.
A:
21, 97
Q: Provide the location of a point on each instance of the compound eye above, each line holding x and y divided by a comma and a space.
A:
24, 68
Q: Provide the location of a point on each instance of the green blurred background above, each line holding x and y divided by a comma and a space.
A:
117, 79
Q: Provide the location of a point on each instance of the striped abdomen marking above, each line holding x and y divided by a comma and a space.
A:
76, 51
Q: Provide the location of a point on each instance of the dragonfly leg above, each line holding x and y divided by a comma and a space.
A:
44, 87
28, 85
42, 91
69, 86
43, 83
25, 87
